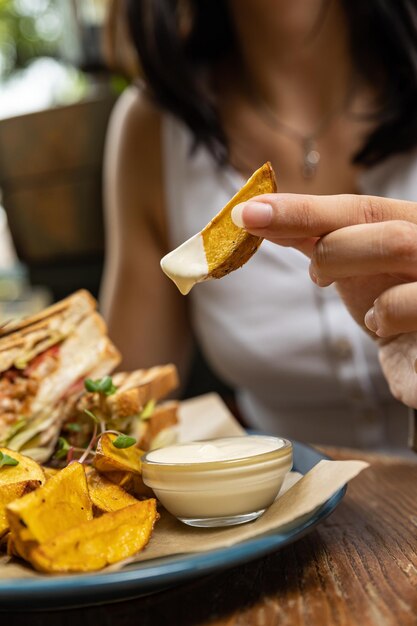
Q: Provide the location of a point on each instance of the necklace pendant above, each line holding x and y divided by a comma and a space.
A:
311, 159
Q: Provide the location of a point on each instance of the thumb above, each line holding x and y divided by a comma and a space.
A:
293, 216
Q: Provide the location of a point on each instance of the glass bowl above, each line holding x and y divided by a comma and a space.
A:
218, 482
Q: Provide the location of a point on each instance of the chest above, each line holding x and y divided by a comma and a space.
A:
253, 141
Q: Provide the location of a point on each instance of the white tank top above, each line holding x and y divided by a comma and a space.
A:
301, 367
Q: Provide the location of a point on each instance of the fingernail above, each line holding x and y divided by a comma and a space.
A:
313, 275
320, 282
370, 321
252, 214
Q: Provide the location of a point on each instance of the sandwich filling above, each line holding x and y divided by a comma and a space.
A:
18, 387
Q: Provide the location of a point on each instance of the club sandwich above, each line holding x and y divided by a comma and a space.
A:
44, 362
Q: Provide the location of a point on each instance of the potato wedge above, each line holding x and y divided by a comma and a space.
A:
11, 546
108, 458
227, 246
50, 471
130, 482
61, 503
11, 492
4, 542
105, 495
26, 470
221, 247
121, 466
97, 543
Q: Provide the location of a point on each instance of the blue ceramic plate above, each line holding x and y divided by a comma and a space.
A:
151, 576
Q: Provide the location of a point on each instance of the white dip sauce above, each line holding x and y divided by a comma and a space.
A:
217, 450
187, 264
197, 483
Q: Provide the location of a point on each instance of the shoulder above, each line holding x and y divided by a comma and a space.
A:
134, 129
133, 159
134, 112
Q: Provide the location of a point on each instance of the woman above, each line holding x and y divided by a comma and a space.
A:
325, 90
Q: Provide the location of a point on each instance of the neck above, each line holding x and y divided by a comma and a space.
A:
301, 67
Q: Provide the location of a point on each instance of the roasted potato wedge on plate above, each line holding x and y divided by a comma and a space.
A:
25, 470
108, 458
61, 503
16, 481
94, 544
9, 493
105, 495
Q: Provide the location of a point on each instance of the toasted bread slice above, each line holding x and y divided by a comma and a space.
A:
221, 247
164, 418
137, 388
22, 341
80, 300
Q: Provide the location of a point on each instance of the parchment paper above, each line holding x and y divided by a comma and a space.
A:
206, 417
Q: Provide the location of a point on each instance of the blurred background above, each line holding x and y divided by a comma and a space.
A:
63, 64
59, 79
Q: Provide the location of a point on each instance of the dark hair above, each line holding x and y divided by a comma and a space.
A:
383, 44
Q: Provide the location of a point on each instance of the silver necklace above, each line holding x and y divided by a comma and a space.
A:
310, 154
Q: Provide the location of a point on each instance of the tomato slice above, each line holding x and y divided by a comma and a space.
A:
35, 362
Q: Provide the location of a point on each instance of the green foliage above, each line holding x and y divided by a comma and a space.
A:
29, 29
62, 448
101, 385
5, 459
124, 441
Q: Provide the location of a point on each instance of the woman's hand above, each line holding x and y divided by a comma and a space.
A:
368, 247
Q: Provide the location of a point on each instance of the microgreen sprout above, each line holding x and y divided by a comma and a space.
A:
73, 427
5, 459
97, 420
124, 441
92, 442
121, 441
93, 417
66, 450
101, 385
63, 448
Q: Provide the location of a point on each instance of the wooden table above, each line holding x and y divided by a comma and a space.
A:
358, 568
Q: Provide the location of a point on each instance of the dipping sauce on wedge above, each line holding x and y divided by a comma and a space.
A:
187, 264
